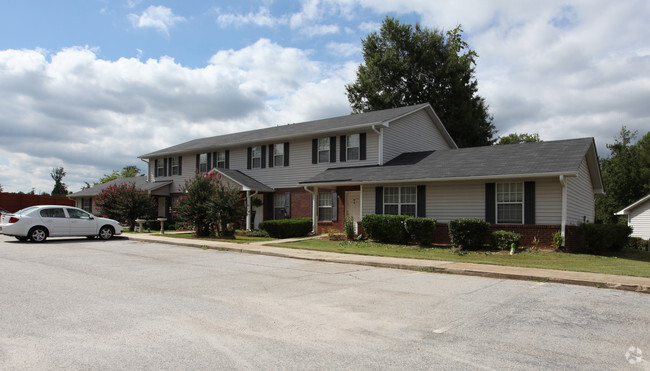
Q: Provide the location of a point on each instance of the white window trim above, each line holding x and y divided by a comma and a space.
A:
175, 166
221, 160
259, 157
160, 169
399, 203
325, 206
327, 141
278, 148
203, 160
348, 147
497, 203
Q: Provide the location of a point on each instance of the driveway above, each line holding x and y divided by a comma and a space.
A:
78, 304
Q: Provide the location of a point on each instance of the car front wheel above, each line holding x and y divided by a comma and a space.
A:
38, 234
106, 233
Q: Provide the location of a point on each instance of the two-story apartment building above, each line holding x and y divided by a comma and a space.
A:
396, 161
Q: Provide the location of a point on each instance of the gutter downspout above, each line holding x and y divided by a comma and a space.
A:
563, 183
249, 208
148, 171
380, 132
314, 208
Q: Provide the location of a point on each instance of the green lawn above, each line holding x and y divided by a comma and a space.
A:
627, 262
238, 239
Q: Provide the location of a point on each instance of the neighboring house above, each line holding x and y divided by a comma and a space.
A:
396, 161
85, 199
638, 217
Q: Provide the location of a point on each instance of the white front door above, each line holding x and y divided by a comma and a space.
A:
353, 207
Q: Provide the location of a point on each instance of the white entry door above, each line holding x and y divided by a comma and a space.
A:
353, 207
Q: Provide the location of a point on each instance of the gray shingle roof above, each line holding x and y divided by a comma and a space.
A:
140, 183
533, 159
287, 131
244, 180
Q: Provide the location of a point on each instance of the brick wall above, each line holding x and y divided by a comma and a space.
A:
544, 233
13, 202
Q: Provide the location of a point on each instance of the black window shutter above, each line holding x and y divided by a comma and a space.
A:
269, 206
209, 156
198, 158
490, 203
332, 149
227, 166
335, 206
170, 162
155, 168
379, 200
422, 202
249, 158
314, 151
180, 165
214, 159
271, 155
165, 167
263, 160
362, 146
343, 155
529, 202
287, 203
286, 153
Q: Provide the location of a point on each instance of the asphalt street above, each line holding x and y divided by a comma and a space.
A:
79, 304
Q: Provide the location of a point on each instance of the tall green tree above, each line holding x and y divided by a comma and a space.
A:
60, 188
406, 65
515, 138
626, 174
127, 172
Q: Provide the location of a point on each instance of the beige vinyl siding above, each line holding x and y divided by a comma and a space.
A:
639, 220
580, 197
300, 166
448, 200
413, 133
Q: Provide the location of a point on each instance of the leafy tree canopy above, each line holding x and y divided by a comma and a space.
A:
60, 188
515, 138
626, 174
127, 172
407, 65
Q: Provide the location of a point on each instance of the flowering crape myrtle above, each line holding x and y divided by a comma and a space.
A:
124, 202
209, 205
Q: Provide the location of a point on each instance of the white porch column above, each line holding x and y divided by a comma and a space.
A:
314, 206
248, 210
563, 183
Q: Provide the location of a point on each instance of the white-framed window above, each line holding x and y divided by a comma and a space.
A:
203, 163
400, 200
160, 167
175, 166
221, 160
323, 150
256, 157
325, 206
278, 154
510, 203
352, 147
279, 206
87, 204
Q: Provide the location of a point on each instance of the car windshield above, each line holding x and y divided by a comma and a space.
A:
26, 210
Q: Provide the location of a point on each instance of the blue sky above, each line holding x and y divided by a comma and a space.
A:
90, 85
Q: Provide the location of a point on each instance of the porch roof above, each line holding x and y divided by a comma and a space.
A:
246, 182
139, 181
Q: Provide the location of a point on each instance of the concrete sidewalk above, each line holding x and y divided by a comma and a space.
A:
629, 283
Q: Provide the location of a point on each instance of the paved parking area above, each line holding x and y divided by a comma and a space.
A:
78, 304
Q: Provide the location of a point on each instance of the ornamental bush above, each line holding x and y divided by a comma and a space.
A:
287, 228
386, 228
503, 240
602, 239
421, 229
637, 243
124, 202
468, 234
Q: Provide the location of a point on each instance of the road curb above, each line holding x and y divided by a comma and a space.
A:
415, 267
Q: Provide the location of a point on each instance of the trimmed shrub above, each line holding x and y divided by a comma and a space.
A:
386, 228
287, 228
468, 234
602, 239
637, 243
420, 229
503, 240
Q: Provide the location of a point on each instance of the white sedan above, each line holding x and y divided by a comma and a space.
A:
37, 223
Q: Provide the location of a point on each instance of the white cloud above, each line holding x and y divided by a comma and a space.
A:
346, 50
368, 27
160, 18
92, 115
262, 18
